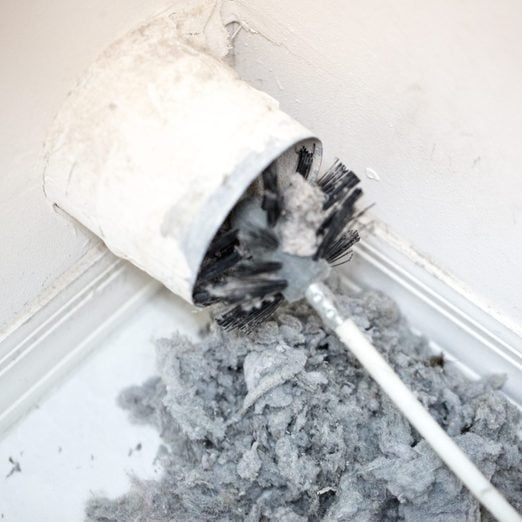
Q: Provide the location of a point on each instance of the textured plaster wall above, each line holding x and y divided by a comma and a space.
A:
424, 100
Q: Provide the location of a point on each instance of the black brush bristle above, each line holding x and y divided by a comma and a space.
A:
339, 251
253, 267
304, 161
202, 297
336, 182
222, 243
337, 222
258, 238
272, 201
221, 256
238, 318
244, 289
219, 266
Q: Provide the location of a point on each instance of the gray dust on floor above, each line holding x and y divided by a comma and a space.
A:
284, 425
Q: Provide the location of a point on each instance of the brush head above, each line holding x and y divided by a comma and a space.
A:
273, 246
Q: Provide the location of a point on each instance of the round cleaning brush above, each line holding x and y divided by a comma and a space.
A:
273, 246
152, 151
279, 246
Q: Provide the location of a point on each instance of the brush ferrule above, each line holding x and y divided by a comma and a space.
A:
322, 301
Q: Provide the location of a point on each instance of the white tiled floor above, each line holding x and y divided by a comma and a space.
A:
77, 441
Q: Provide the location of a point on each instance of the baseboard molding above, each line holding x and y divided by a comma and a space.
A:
455, 321
48, 343
44, 347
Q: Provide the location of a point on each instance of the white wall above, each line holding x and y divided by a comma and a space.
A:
44, 46
426, 94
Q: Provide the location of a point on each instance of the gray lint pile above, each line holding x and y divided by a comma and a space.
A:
284, 425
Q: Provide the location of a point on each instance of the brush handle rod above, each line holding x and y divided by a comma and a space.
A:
321, 300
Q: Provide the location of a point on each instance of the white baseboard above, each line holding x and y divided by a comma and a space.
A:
43, 348
65, 328
455, 321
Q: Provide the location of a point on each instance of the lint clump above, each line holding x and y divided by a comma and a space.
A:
283, 424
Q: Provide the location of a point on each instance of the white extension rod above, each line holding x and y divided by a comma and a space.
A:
456, 460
